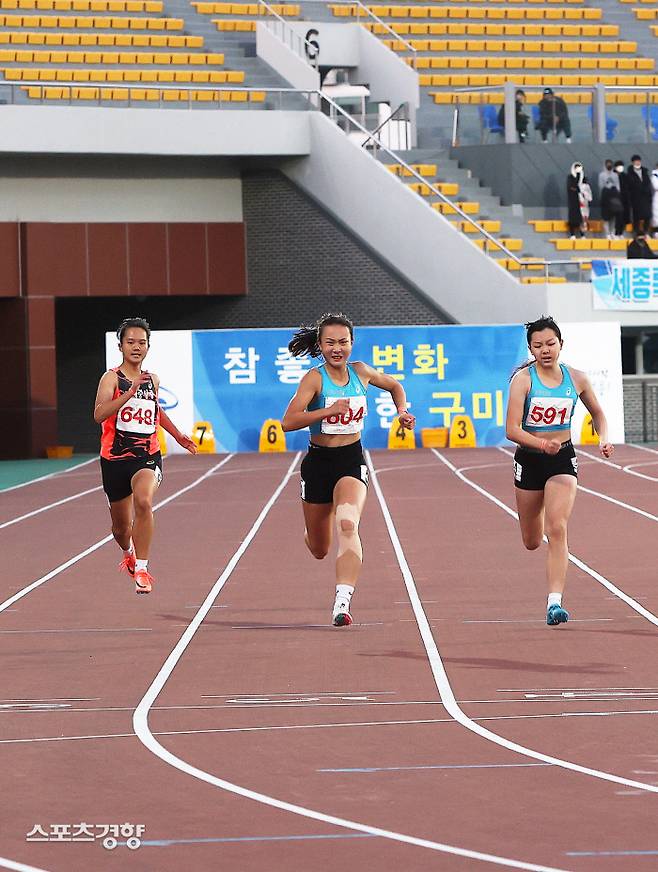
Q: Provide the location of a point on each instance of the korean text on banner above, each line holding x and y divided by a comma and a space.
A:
625, 285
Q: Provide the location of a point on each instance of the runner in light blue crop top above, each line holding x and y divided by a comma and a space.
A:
354, 388
549, 408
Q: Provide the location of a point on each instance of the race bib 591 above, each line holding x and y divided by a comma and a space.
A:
549, 412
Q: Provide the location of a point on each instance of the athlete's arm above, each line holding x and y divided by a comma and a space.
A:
369, 375
513, 430
167, 424
105, 406
591, 403
297, 416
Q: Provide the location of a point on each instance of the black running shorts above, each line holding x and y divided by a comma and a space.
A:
532, 469
118, 474
322, 468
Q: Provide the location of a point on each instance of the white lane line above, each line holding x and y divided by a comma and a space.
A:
63, 566
634, 604
13, 487
18, 867
368, 769
436, 663
333, 726
49, 506
143, 731
627, 469
341, 693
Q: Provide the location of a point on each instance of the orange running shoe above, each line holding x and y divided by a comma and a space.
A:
143, 581
128, 564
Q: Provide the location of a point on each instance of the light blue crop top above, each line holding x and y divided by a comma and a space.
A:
547, 409
354, 388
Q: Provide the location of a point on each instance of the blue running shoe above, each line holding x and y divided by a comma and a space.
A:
556, 615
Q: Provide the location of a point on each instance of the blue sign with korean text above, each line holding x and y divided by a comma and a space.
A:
625, 285
243, 377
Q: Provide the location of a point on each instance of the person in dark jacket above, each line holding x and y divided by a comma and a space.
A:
579, 196
622, 217
553, 115
610, 199
638, 249
520, 115
640, 194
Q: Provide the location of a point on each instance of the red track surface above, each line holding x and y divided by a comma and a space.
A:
267, 696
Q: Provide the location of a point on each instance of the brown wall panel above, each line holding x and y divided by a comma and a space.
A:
56, 259
12, 323
14, 433
41, 321
227, 259
14, 388
43, 378
43, 430
108, 260
9, 266
187, 259
147, 257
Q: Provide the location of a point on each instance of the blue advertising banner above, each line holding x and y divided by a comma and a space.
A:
625, 285
243, 377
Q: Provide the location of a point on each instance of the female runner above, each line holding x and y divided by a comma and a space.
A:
331, 402
543, 395
131, 464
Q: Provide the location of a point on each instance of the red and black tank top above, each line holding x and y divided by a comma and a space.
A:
133, 431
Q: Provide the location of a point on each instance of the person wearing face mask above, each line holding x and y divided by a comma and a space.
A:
611, 202
638, 249
553, 116
621, 218
579, 196
640, 194
654, 210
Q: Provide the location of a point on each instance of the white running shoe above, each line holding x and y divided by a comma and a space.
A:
341, 617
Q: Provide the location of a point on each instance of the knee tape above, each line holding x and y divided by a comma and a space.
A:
347, 526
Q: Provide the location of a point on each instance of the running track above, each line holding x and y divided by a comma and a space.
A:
448, 729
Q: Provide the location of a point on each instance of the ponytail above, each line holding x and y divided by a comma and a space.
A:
307, 339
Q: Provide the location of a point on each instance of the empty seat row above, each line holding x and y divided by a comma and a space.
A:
552, 225
91, 22
646, 14
589, 244
531, 63
85, 5
490, 29
37, 92
108, 57
485, 80
54, 74
507, 12
491, 247
127, 40
246, 8
448, 189
510, 45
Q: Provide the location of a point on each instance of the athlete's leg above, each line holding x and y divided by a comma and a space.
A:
121, 513
530, 506
144, 484
559, 496
349, 499
318, 518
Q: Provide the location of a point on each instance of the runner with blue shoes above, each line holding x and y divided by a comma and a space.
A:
542, 399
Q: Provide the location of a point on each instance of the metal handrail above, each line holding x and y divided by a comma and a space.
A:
302, 40
383, 124
320, 96
361, 7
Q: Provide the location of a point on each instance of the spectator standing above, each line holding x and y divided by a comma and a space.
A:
640, 194
610, 199
520, 115
623, 217
579, 196
654, 211
638, 248
553, 116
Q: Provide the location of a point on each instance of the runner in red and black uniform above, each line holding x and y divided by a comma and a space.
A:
131, 464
